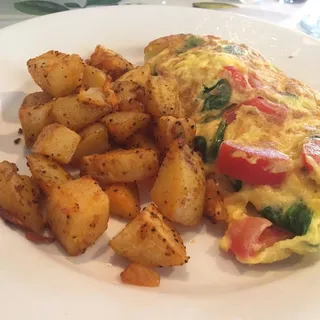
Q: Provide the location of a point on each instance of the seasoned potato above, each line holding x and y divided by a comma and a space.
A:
139, 75
110, 62
139, 275
149, 240
162, 97
140, 140
47, 172
179, 189
76, 115
36, 99
19, 198
56, 73
93, 77
78, 214
33, 119
122, 125
169, 128
94, 140
121, 166
124, 199
58, 142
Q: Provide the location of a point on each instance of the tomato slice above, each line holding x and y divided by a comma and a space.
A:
311, 153
238, 79
230, 114
252, 165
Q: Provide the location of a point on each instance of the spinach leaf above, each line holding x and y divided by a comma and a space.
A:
234, 49
190, 43
218, 96
216, 143
200, 145
237, 184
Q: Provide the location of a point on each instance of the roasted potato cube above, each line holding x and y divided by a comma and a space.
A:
76, 115
94, 140
179, 189
78, 214
122, 125
36, 99
99, 97
162, 97
19, 199
139, 75
124, 199
139, 275
121, 166
93, 77
140, 140
47, 172
149, 240
56, 73
33, 119
58, 142
110, 62
169, 128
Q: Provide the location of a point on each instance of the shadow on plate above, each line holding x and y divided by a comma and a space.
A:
10, 104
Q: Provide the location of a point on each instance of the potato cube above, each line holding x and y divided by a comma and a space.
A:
179, 189
139, 275
139, 75
58, 142
78, 214
93, 77
149, 240
140, 140
36, 99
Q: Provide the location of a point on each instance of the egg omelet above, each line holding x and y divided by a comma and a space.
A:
258, 128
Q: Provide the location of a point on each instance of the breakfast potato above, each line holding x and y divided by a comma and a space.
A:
36, 99
57, 73
76, 115
179, 189
140, 140
47, 172
93, 77
94, 140
149, 240
122, 125
110, 62
78, 214
121, 166
33, 119
124, 199
58, 142
162, 97
169, 128
140, 275
19, 199
139, 75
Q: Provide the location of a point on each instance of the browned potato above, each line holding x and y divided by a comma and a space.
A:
124, 199
33, 119
78, 214
169, 128
140, 140
139, 275
94, 140
110, 62
162, 97
58, 142
121, 166
36, 99
47, 172
150, 241
19, 198
179, 189
122, 125
139, 75
93, 77
76, 115
56, 73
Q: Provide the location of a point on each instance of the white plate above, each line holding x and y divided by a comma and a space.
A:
41, 282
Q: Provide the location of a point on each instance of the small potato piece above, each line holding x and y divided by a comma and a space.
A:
56, 73
36, 99
33, 119
124, 199
139, 75
169, 128
93, 77
121, 166
78, 214
139, 275
122, 125
58, 142
110, 62
149, 240
162, 97
140, 140
76, 115
20, 199
179, 189
94, 140
47, 172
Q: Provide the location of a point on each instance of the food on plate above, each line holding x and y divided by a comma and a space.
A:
36, 99
140, 275
142, 140
93, 77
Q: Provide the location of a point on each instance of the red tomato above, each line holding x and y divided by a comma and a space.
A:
252, 165
254, 81
238, 79
311, 149
230, 114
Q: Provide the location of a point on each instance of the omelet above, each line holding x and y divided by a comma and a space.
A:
260, 130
